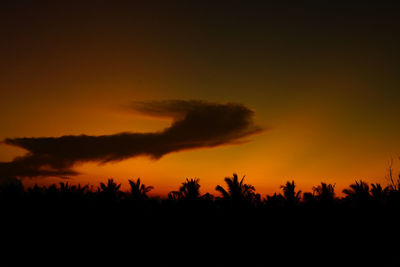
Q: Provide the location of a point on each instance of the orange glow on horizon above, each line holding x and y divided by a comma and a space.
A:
268, 160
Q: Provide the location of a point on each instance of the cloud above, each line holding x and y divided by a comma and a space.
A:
196, 124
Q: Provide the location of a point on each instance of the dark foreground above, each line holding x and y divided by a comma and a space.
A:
76, 226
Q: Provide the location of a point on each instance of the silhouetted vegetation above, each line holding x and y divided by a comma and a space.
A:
238, 194
287, 222
139, 191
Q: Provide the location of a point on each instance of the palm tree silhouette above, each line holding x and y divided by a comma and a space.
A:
189, 191
139, 191
238, 192
109, 192
111, 187
358, 193
379, 194
324, 193
291, 197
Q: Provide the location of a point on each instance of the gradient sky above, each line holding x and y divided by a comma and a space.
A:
322, 79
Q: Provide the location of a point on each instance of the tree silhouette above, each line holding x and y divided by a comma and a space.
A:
394, 183
109, 192
358, 193
139, 191
238, 192
324, 193
291, 197
378, 193
67, 189
189, 192
111, 187
238, 207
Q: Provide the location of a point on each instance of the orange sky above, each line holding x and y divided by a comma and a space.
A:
323, 83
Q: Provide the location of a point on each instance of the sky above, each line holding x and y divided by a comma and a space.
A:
274, 90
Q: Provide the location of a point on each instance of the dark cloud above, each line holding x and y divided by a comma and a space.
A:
196, 124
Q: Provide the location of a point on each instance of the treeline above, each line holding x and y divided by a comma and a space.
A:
234, 194
236, 227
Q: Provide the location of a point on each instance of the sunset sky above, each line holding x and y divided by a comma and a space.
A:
318, 85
